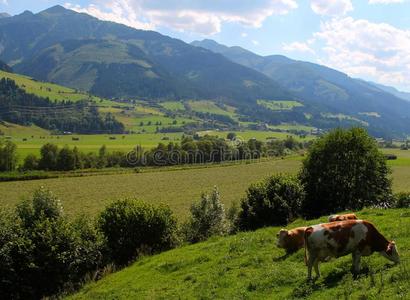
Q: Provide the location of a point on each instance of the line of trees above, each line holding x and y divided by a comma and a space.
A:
191, 150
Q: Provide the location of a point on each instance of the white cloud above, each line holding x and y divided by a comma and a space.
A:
298, 47
377, 51
255, 42
385, 1
331, 7
5, 2
204, 17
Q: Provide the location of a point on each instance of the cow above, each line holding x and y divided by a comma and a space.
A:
358, 237
291, 240
336, 218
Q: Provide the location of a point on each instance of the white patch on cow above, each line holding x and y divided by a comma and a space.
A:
360, 232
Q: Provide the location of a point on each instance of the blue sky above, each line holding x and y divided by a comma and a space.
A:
369, 39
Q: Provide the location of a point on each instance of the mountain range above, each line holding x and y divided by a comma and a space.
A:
115, 61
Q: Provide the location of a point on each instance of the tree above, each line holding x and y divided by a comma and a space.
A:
48, 157
344, 170
8, 156
66, 159
30, 162
272, 202
207, 218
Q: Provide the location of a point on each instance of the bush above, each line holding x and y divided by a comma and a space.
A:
402, 200
30, 162
272, 202
207, 218
43, 205
131, 227
344, 170
42, 252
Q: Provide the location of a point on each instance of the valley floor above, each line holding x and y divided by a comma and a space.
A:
176, 187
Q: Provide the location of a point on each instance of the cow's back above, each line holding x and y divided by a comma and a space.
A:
335, 239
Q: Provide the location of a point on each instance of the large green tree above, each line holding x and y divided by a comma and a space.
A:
344, 170
8, 156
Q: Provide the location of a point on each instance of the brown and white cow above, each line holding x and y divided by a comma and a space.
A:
291, 240
360, 238
336, 218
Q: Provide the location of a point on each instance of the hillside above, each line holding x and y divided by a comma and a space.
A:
325, 90
249, 266
113, 60
48, 90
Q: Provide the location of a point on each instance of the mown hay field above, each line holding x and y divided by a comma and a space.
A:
177, 188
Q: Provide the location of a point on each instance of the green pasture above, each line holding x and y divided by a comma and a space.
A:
175, 187
173, 105
206, 106
279, 105
250, 266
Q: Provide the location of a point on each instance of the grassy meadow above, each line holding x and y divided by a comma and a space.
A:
177, 187
250, 266
31, 139
47, 90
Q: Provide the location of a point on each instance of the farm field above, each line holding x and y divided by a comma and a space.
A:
250, 266
279, 105
30, 139
177, 188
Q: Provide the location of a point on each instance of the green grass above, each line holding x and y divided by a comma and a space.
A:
90, 143
279, 105
44, 89
206, 106
250, 266
177, 188
18, 131
31, 139
403, 157
173, 105
259, 135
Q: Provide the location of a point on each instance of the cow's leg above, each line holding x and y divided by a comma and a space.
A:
310, 262
356, 261
316, 264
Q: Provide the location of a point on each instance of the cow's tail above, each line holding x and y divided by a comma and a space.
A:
308, 231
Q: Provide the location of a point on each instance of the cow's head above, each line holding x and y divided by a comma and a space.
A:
281, 235
391, 252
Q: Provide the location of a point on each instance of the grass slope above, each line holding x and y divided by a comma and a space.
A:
44, 89
249, 266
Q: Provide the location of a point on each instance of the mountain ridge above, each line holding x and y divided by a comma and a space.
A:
52, 46
330, 90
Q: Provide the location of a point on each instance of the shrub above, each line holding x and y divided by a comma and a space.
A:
272, 202
207, 218
30, 162
344, 170
43, 253
43, 205
132, 226
402, 200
